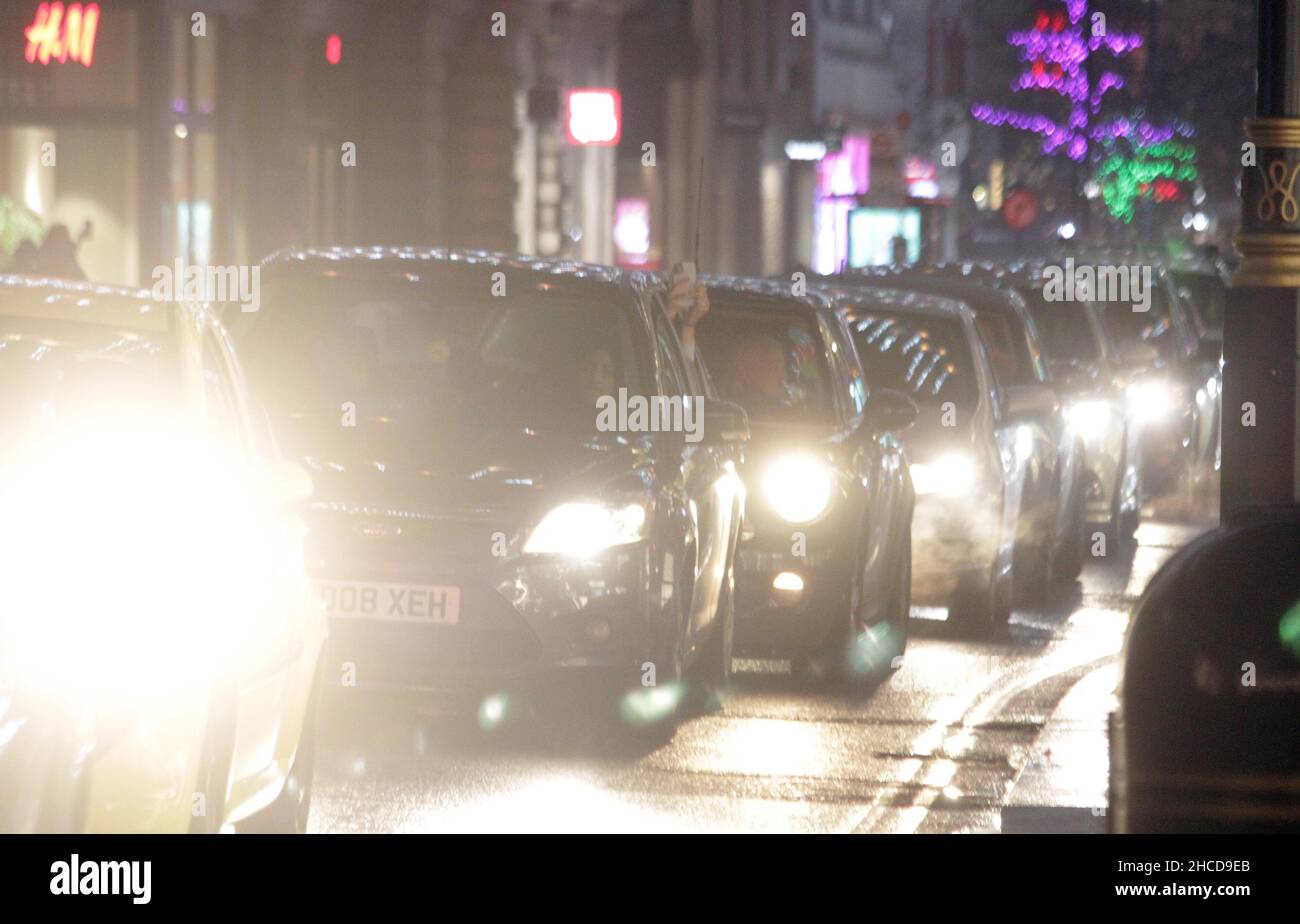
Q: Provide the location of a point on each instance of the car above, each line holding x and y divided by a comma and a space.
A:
517, 493
1090, 375
1203, 289
1175, 394
159, 651
825, 560
1035, 435
967, 502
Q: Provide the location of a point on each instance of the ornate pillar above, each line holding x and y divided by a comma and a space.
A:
1260, 452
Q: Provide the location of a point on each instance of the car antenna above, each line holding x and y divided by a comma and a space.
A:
699, 209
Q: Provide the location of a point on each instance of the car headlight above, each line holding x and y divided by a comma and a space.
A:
581, 530
132, 563
951, 476
1151, 402
1090, 418
798, 487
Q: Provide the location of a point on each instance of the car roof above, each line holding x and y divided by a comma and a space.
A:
75, 301
767, 291
380, 260
857, 300
978, 288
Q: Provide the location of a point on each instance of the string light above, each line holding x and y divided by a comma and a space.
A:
1056, 52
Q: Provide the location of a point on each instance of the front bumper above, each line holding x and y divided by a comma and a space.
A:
954, 540
775, 622
519, 620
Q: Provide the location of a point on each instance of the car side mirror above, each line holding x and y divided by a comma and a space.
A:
724, 422
1022, 401
1138, 354
889, 411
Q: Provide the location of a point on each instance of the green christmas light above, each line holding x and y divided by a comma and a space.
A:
1125, 178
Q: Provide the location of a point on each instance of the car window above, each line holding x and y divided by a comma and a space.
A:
675, 378
1066, 331
422, 354
1206, 294
848, 371
926, 358
1155, 326
1008, 347
770, 361
56, 374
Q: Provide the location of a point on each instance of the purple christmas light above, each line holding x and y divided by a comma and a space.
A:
1057, 61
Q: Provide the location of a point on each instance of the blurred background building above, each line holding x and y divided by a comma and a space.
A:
794, 133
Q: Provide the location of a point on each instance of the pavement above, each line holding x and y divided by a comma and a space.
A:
968, 736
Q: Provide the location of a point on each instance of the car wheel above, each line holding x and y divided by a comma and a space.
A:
1068, 564
1033, 566
288, 813
985, 611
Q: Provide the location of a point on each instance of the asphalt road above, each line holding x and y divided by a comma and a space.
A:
935, 748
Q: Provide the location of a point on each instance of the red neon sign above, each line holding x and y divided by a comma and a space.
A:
595, 117
62, 34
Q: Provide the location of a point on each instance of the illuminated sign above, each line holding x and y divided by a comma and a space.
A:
847, 172
62, 34
632, 231
334, 49
594, 117
922, 178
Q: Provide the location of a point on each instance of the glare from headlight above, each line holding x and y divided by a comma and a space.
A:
1090, 418
952, 475
132, 563
798, 487
1151, 402
582, 530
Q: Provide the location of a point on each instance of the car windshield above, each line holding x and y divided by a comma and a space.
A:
423, 354
927, 358
1065, 329
1206, 294
1155, 326
57, 373
771, 362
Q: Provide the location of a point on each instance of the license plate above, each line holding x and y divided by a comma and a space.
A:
398, 602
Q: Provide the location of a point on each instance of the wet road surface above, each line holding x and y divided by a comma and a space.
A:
934, 748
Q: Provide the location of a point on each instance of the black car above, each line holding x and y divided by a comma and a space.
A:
1091, 376
967, 502
1034, 430
513, 480
825, 562
1175, 395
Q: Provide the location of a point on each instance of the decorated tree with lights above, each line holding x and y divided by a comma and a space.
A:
1138, 158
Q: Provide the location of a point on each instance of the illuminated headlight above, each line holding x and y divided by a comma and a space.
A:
1151, 402
798, 487
951, 475
132, 563
1090, 418
581, 530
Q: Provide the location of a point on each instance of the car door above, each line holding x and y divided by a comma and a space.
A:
273, 647
876, 464
706, 494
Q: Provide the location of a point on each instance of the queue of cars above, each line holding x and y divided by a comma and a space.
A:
486, 477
